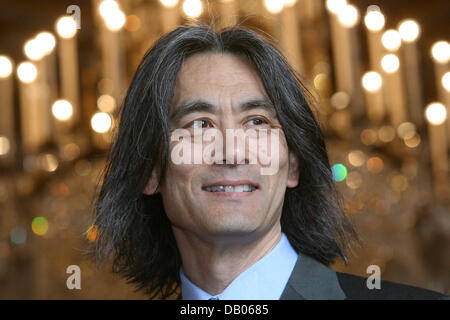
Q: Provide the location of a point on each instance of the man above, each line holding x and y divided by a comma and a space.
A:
222, 229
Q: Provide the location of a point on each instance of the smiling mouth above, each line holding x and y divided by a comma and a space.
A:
227, 188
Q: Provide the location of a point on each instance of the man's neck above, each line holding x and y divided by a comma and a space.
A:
212, 264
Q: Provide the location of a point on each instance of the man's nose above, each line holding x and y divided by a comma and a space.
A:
235, 145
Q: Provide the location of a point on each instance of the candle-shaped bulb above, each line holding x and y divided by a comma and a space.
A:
391, 40
192, 8
47, 41
62, 110
349, 16
390, 63
409, 30
5, 67
372, 81
66, 27
374, 20
441, 51
446, 81
27, 72
101, 122
169, 3
34, 49
335, 6
436, 113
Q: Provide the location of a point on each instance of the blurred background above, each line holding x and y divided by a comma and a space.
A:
379, 69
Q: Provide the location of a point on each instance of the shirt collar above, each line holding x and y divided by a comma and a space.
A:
264, 280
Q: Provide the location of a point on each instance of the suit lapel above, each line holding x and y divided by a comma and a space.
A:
312, 280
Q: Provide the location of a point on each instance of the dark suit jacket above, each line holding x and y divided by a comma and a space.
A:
311, 280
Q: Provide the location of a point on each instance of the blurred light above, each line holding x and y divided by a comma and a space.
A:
375, 164
62, 110
66, 27
4, 145
101, 122
340, 100
406, 130
92, 233
446, 81
192, 8
48, 162
39, 225
391, 40
356, 158
339, 172
83, 168
441, 51
47, 41
70, 151
5, 67
320, 81
412, 142
374, 20
133, 23
106, 103
289, 3
436, 113
274, 6
399, 183
368, 136
30, 163
115, 21
34, 50
27, 72
386, 134
354, 180
409, 30
372, 81
169, 3
349, 16
107, 8
18, 235
335, 6
390, 63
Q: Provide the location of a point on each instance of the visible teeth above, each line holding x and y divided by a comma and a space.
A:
239, 188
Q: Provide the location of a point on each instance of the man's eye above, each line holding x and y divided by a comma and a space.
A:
202, 124
256, 122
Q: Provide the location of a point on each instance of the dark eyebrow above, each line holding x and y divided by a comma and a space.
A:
202, 106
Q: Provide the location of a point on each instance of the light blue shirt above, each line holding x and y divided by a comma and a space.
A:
264, 280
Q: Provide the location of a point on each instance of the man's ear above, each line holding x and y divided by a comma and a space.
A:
152, 184
293, 173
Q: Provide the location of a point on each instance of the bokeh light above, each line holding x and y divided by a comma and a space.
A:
5, 67
169, 3
374, 20
372, 81
66, 27
106, 103
5, 145
39, 225
368, 136
192, 8
446, 81
340, 100
349, 16
386, 133
27, 72
101, 122
391, 40
339, 172
409, 30
390, 63
356, 158
18, 235
62, 110
406, 130
441, 51
375, 164
354, 180
335, 6
436, 113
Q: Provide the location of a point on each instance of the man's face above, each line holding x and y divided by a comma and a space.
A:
220, 87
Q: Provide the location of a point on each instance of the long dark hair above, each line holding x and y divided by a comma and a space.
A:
133, 228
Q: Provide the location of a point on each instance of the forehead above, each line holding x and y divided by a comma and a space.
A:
213, 75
